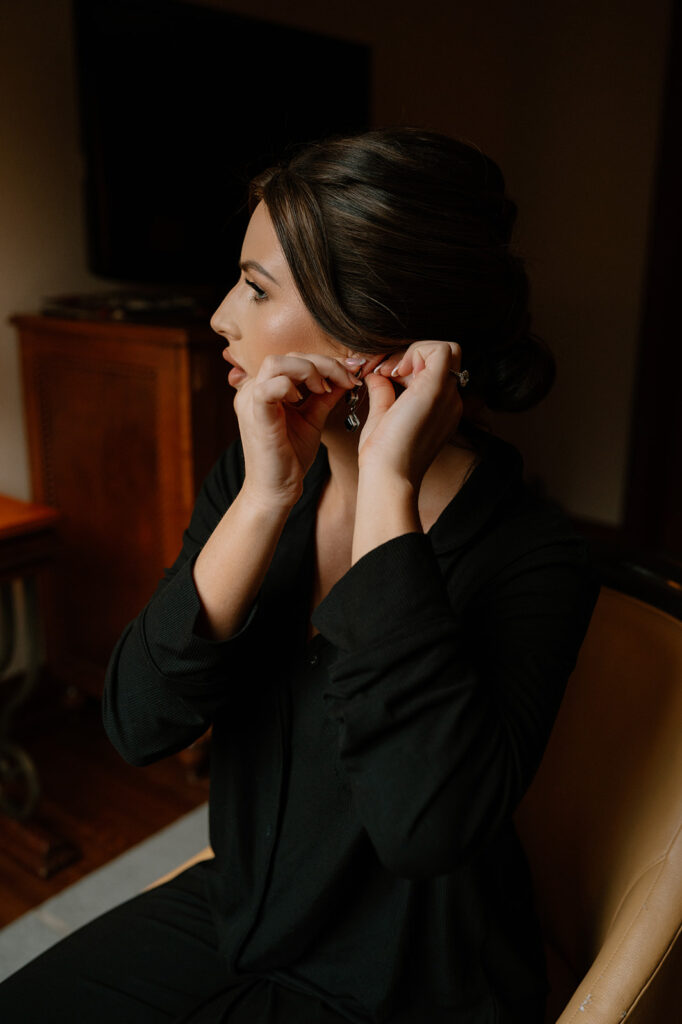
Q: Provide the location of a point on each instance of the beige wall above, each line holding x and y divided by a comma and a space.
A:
41, 224
565, 95
584, 183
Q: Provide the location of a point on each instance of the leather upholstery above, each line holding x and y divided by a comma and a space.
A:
204, 854
602, 823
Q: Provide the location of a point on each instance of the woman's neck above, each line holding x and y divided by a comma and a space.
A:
444, 478
342, 454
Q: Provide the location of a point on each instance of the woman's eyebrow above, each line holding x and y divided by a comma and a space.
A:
252, 265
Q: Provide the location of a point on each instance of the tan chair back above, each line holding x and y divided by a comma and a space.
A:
602, 823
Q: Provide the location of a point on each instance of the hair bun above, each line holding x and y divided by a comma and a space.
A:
519, 375
430, 216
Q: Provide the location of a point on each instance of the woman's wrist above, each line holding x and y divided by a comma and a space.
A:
271, 505
232, 564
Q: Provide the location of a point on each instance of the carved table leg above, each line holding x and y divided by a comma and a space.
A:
19, 785
31, 843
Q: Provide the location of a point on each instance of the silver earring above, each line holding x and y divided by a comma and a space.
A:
351, 421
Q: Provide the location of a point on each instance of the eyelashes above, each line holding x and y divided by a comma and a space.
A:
259, 294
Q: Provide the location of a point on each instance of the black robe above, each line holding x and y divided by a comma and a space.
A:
363, 782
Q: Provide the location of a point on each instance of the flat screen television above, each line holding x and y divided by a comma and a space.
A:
180, 105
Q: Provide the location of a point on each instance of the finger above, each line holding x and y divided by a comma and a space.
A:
301, 371
315, 409
328, 368
416, 355
381, 398
295, 395
386, 367
440, 356
277, 389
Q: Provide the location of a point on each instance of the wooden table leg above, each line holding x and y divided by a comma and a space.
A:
32, 843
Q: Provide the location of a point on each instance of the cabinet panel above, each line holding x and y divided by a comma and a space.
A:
122, 427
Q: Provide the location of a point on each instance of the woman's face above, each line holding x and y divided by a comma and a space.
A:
264, 314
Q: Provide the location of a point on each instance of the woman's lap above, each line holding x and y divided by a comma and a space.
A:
148, 960
153, 960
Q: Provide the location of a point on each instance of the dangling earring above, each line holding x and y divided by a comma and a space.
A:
351, 421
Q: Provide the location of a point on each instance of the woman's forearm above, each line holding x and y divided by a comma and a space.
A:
232, 565
386, 508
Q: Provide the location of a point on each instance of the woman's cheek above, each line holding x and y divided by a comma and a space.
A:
284, 330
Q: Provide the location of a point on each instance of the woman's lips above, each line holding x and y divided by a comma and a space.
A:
237, 374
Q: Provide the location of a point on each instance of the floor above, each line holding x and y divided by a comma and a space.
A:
91, 798
124, 877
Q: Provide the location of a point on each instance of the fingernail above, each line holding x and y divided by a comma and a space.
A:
300, 396
394, 371
355, 361
326, 385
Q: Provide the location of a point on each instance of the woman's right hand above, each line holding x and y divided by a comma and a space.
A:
282, 412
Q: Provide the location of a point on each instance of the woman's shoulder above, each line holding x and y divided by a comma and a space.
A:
498, 528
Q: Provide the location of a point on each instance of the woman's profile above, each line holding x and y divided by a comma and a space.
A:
373, 614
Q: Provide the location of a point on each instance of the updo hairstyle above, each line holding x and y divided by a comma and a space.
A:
401, 234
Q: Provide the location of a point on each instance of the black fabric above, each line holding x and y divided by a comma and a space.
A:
363, 784
153, 960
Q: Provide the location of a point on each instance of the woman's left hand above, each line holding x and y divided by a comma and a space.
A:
403, 434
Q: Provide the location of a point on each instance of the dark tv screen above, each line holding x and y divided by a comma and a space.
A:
180, 106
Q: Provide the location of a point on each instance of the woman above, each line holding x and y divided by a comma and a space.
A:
372, 612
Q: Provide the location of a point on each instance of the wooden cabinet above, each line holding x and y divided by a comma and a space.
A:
124, 421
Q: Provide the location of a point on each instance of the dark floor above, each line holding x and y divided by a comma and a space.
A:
90, 797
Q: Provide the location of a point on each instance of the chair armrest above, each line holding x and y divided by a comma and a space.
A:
643, 940
205, 854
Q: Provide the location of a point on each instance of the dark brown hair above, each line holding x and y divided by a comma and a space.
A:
400, 234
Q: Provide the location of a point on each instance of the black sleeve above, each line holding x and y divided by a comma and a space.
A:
165, 681
442, 725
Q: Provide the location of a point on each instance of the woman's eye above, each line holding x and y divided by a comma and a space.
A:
259, 293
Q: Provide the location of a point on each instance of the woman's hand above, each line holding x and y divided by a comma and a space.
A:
403, 435
282, 412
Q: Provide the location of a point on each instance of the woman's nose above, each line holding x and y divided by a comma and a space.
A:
223, 321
